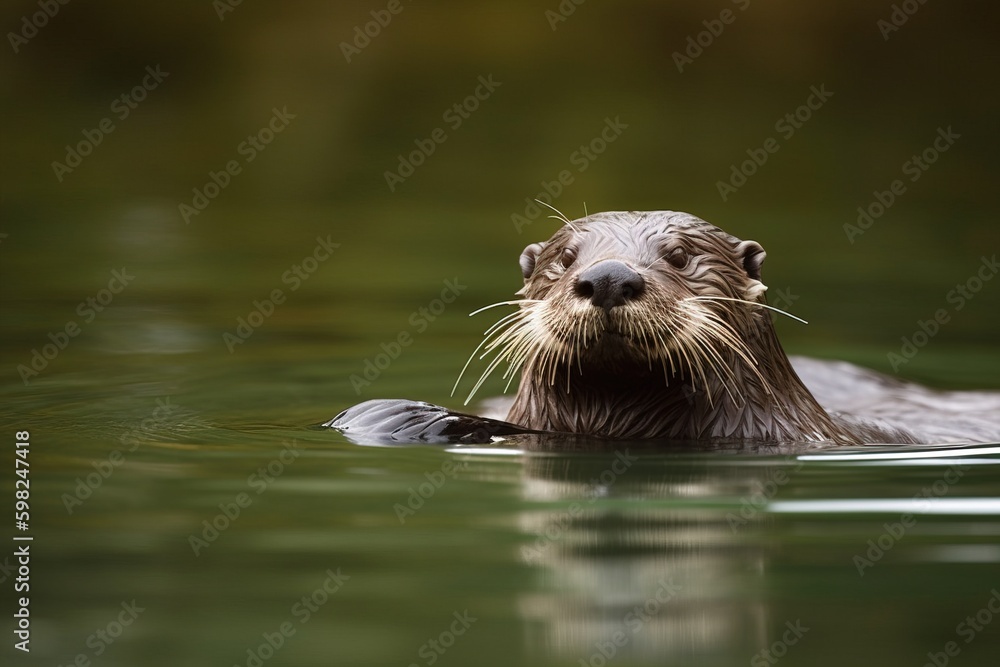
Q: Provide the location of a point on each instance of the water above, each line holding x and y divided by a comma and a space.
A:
183, 503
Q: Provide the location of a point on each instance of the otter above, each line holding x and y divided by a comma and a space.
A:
655, 326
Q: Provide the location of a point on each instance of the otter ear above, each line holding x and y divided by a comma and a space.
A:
752, 255
528, 258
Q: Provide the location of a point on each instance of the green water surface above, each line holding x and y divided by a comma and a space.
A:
185, 509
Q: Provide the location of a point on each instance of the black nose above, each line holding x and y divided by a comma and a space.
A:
609, 283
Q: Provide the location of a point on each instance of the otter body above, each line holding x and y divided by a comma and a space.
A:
654, 325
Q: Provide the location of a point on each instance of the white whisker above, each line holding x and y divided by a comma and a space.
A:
560, 216
507, 333
516, 302
710, 323
750, 303
507, 319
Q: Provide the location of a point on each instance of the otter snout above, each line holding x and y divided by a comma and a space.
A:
609, 283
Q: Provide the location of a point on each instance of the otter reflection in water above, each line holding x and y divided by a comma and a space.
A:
637, 561
654, 325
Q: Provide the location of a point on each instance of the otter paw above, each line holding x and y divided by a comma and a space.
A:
398, 421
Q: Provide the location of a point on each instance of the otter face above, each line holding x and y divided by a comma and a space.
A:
637, 288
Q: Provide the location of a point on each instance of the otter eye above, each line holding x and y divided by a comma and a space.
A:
568, 257
677, 258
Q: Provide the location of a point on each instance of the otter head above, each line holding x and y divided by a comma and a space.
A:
651, 325
623, 290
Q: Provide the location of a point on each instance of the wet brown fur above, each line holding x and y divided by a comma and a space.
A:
661, 365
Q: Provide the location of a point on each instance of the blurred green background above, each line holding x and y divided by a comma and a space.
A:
229, 66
